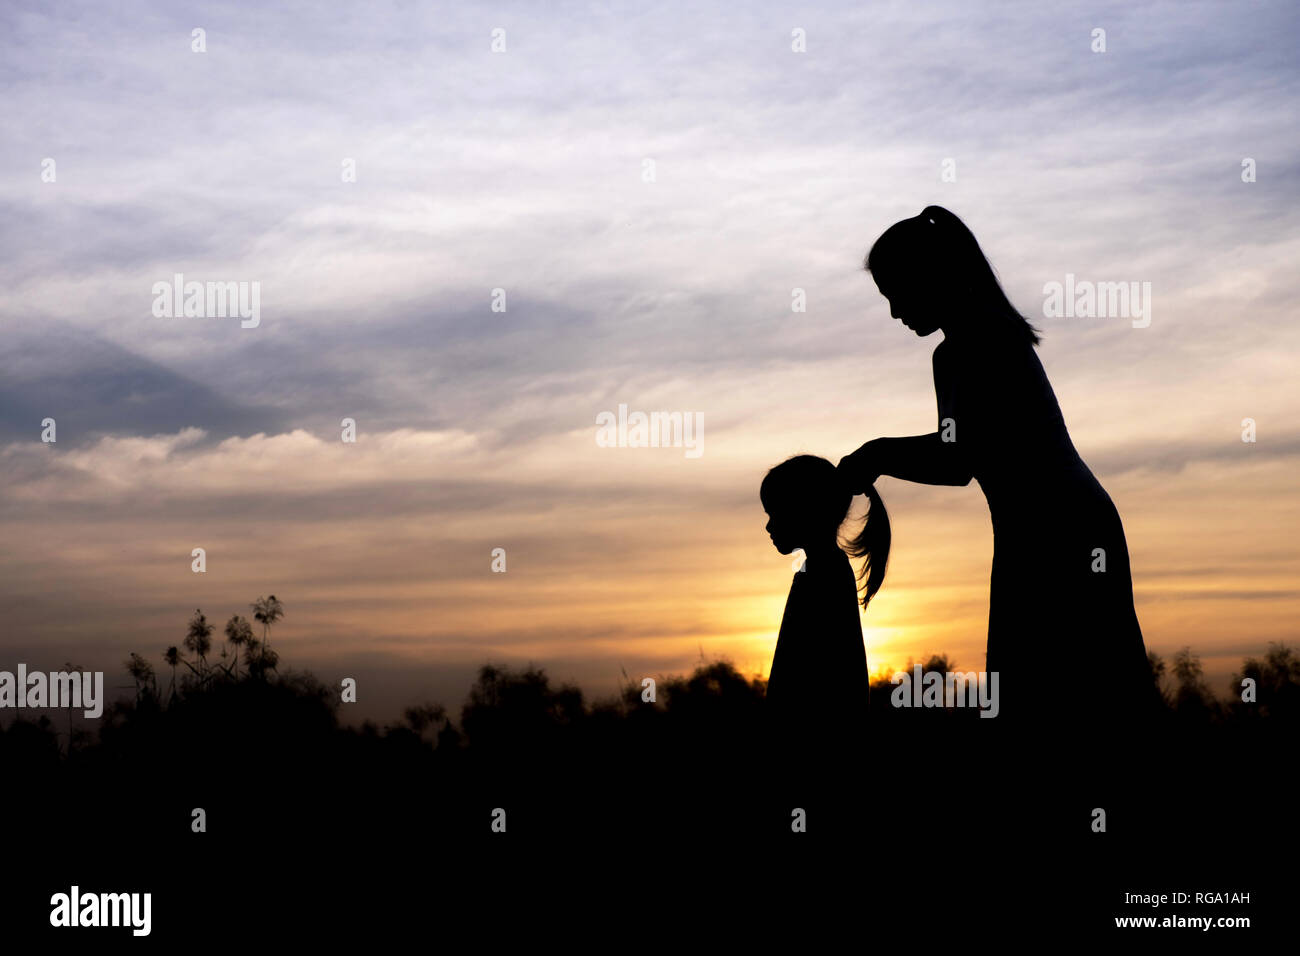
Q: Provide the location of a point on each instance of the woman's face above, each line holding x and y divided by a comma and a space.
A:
913, 303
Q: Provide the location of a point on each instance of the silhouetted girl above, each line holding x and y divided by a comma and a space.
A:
817, 689
1062, 631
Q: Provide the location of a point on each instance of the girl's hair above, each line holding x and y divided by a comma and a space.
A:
814, 486
937, 240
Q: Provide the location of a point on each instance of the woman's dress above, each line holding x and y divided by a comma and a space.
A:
1063, 635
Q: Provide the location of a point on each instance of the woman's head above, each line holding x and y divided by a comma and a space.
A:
933, 272
806, 501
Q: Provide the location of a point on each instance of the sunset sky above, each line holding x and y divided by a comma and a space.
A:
523, 170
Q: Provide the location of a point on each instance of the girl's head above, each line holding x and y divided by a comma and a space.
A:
934, 273
806, 501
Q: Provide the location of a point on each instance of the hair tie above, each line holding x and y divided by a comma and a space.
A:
928, 213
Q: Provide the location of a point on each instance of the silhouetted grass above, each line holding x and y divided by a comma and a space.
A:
264, 753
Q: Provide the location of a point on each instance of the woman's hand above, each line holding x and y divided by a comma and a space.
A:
861, 469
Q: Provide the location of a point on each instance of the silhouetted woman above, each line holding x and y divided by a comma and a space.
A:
1062, 635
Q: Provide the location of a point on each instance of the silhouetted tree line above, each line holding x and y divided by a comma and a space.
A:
266, 748
1186, 699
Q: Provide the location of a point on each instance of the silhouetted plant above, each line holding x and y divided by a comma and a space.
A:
1192, 698
141, 672
267, 611
1157, 665
259, 658
419, 718
516, 711
1277, 684
199, 639
521, 737
71, 668
173, 659
239, 633
939, 662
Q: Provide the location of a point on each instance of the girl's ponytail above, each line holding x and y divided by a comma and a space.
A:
872, 543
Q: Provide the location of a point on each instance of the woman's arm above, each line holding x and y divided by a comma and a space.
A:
925, 459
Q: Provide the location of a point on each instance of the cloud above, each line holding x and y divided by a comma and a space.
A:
92, 387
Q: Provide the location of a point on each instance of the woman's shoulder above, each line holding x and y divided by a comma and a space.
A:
941, 359
985, 353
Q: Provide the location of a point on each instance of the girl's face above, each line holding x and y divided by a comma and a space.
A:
788, 525
783, 527
913, 304
782, 531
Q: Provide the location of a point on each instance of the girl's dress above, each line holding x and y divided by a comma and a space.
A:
817, 689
